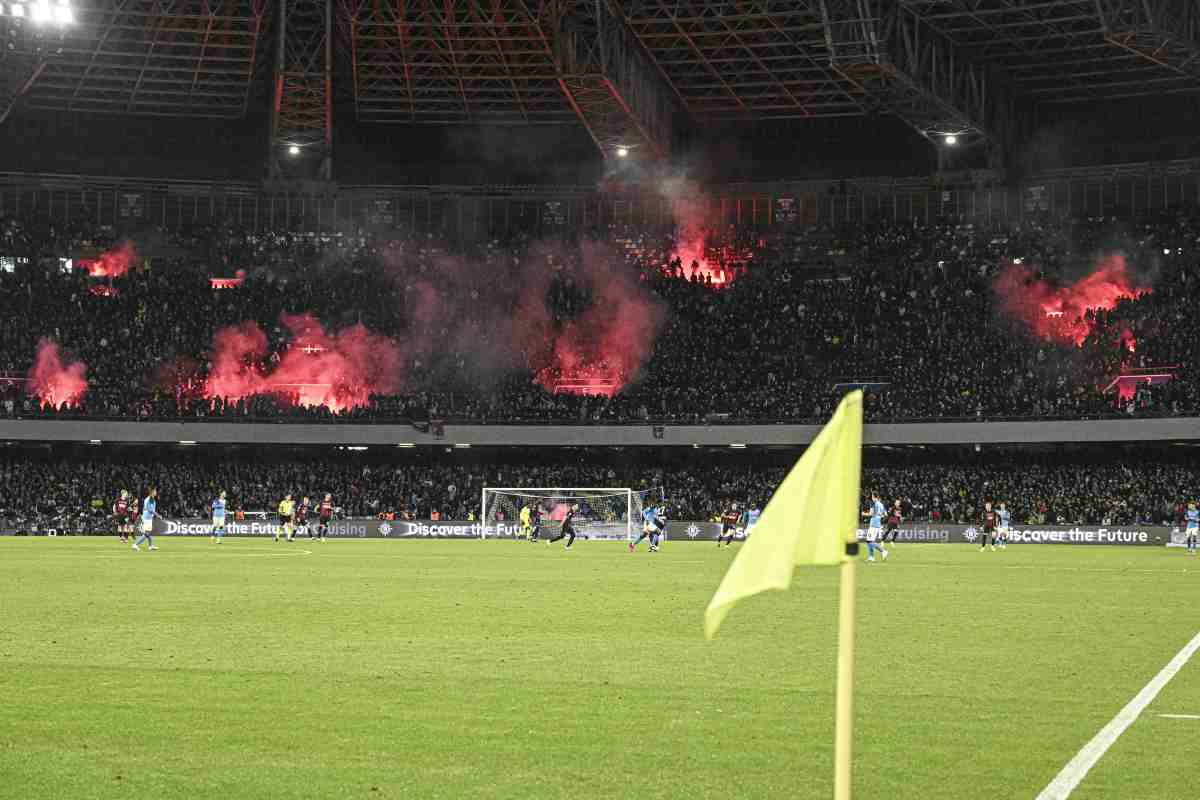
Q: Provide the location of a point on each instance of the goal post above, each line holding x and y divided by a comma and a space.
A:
606, 512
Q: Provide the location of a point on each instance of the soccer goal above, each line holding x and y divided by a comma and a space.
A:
604, 513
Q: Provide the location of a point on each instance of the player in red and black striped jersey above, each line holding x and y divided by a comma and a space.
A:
567, 528
729, 521
121, 516
989, 528
302, 513
324, 514
891, 524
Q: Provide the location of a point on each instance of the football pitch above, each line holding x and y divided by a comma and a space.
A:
501, 669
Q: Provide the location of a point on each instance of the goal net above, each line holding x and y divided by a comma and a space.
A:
604, 513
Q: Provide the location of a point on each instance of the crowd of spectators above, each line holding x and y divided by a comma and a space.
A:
908, 309
79, 491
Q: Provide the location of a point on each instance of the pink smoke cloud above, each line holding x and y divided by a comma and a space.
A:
1059, 313
54, 382
316, 368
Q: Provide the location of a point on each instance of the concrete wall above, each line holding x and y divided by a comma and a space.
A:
962, 433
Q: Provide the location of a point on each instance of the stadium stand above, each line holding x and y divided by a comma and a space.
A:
909, 309
1065, 487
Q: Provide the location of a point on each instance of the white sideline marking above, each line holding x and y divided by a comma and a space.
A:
1180, 716
1073, 773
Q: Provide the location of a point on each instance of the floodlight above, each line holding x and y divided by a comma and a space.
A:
294, 150
63, 15
42, 12
951, 139
622, 152
18, 10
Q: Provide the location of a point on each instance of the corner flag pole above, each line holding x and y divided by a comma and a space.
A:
844, 726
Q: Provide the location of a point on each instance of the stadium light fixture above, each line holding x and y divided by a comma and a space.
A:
462, 445
17, 11
42, 12
294, 150
94, 441
63, 15
951, 139
738, 446
622, 152
406, 444
186, 442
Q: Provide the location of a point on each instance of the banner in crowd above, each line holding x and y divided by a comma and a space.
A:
131, 205
1140, 535
553, 214
785, 210
381, 212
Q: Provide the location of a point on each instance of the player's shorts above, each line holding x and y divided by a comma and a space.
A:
649, 528
1002, 530
218, 523
873, 533
727, 529
147, 526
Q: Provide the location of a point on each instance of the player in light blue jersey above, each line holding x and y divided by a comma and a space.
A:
1002, 526
749, 520
149, 509
1193, 527
875, 528
654, 522
218, 512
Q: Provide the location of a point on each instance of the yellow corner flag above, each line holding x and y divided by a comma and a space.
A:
810, 519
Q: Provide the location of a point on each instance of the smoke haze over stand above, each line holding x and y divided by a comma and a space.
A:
498, 315
54, 382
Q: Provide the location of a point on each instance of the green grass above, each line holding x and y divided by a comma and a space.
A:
437, 669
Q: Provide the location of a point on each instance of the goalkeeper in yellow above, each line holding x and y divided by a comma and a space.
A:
526, 531
287, 515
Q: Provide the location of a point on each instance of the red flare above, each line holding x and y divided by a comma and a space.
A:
113, 263
1060, 313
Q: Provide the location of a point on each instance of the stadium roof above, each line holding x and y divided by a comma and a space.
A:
967, 67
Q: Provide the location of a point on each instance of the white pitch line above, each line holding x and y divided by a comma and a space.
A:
1073, 773
1180, 716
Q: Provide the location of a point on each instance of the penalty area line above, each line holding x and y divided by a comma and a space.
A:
1180, 716
1077, 768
